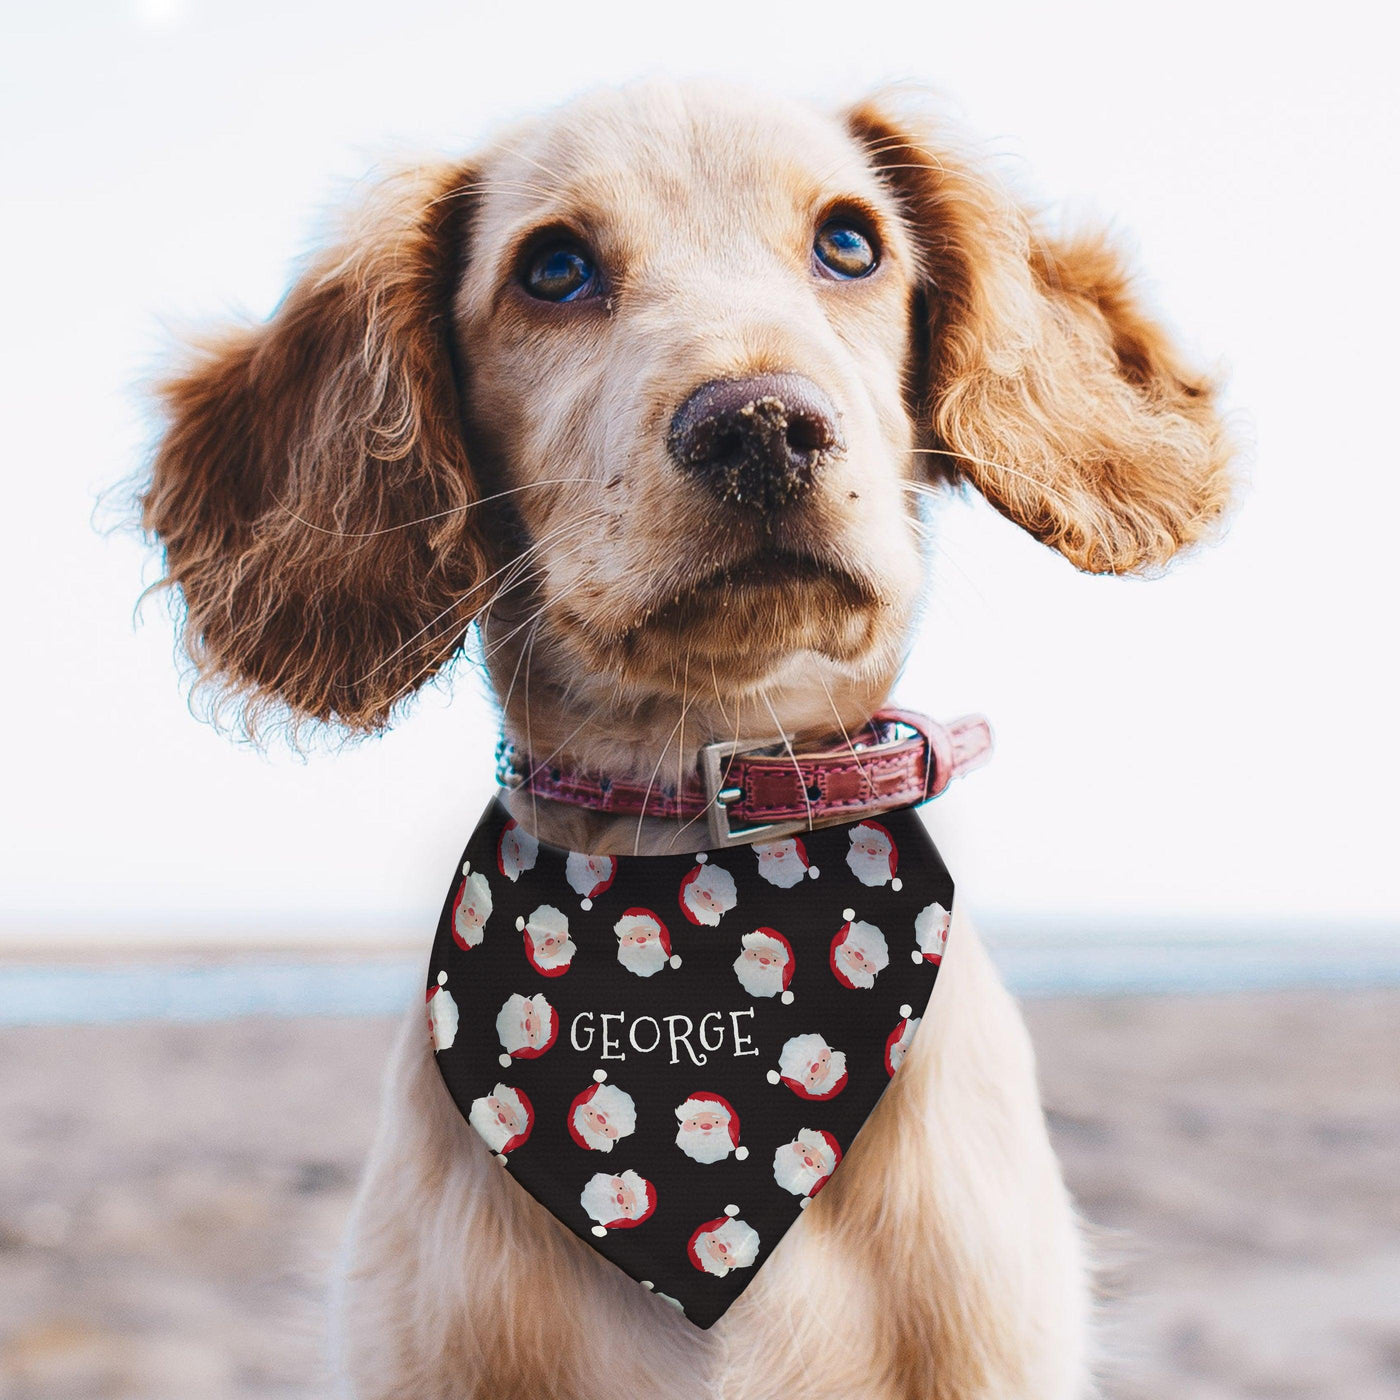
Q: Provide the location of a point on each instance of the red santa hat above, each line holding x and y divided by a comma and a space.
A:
842, 934
623, 1223
579, 862
533, 1052
702, 870
789, 962
545, 919
638, 914
702, 1102
587, 1097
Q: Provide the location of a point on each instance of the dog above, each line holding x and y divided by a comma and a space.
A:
518, 392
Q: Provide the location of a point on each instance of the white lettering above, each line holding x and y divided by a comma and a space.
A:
609, 1044
573, 1031
742, 1040
683, 1038
655, 1025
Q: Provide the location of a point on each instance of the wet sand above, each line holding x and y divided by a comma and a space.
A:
171, 1197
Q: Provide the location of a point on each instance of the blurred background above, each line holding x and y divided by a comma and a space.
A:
1184, 854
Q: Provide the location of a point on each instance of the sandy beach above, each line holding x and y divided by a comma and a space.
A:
171, 1196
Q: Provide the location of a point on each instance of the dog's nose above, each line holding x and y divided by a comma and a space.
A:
756, 442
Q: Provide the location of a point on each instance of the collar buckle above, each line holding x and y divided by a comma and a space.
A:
715, 763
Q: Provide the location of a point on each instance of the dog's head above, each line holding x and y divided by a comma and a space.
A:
652, 386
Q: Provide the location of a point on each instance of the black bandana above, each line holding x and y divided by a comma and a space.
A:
672, 1053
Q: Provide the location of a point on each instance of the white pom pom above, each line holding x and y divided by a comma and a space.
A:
812, 872
741, 1154
906, 1011
466, 867
505, 1061
600, 1231
442, 979
848, 914
520, 922
731, 1211
773, 1076
896, 884
701, 857
675, 959
648, 1284
500, 1157
918, 956
804, 1203
600, 1075
585, 904
787, 998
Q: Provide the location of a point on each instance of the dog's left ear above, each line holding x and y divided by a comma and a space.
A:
1041, 379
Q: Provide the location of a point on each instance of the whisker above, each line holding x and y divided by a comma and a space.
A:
797, 767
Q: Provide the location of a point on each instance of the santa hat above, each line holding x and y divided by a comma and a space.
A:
633, 918
866, 936
533, 1052
477, 883
624, 1222
765, 939
527, 848
889, 840
503, 1091
700, 1102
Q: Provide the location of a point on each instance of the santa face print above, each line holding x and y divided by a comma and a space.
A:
527, 1026
643, 943
548, 946
859, 954
600, 1116
804, 1165
709, 1129
503, 1117
589, 876
471, 910
781, 863
872, 854
442, 1015
637, 1008
897, 1046
516, 852
619, 1202
722, 1245
765, 963
811, 1068
707, 894
931, 927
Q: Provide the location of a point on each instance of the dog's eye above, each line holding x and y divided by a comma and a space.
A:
559, 272
843, 250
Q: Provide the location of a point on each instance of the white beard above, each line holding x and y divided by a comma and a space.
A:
599, 1197
901, 1046
784, 873
869, 870
596, 1141
797, 1056
443, 1016
931, 929
562, 958
713, 1146
793, 1174
495, 1133
585, 873
643, 959
510, 1023
856, 974
742, 1240
519, 851
470, 934
720, 883
757, 980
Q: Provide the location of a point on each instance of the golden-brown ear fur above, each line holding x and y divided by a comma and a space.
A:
309, 489
1042, 379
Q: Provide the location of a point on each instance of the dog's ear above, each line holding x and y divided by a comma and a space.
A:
312, 490
1040, 377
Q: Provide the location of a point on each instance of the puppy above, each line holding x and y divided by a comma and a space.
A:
480, 406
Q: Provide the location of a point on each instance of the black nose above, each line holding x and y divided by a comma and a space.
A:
756, 442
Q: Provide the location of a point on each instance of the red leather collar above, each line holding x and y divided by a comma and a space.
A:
769, 787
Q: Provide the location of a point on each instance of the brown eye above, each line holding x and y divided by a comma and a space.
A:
843, 251
560, 272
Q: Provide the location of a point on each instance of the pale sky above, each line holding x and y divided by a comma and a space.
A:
1216, 745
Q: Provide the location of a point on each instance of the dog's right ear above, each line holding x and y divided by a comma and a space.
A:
312, 490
